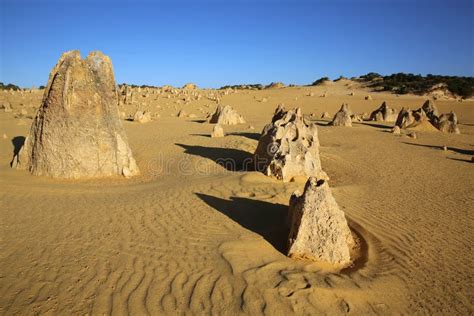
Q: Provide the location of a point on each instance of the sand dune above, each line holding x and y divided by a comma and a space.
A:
199, 237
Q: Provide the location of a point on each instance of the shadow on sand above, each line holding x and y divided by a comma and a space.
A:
453, 149
254, 136
229, 158
376, 125
17, 142
264, 218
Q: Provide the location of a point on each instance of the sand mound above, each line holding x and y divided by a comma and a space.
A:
77, 131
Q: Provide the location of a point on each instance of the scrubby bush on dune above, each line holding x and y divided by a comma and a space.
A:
256, 86
9, 86
320, 81
402, 83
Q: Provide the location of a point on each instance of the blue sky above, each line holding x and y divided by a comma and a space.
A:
213, 43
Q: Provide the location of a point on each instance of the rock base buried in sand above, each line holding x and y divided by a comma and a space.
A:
318, 227
77, 131
226, 115
288, 147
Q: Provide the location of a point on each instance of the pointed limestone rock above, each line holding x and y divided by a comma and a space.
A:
318, 227
343, 117
77, 131
384, 114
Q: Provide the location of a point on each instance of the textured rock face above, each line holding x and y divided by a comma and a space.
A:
343, 117
288, 147
384, 114
318, 227
431, 111
77, 131
405, 118
448, 123
226, 115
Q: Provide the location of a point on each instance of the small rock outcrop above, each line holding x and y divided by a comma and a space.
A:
217, 131
318, 227
6, 107
396, 130
384, 114
142, 117
182, 113
77, 131
405, 118
226, 115
342, 117
288, 147
414, 120
325, 115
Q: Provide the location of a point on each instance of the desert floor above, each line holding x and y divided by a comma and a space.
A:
192, 236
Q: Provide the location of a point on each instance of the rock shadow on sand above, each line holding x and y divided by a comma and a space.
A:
229, 158
17, 142
461, 151
263, 218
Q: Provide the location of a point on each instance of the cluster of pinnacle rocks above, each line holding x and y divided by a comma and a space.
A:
77, 133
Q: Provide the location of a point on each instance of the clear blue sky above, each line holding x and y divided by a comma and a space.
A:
213, 43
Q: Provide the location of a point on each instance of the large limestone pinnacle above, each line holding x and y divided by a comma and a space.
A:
318, 227
77, 132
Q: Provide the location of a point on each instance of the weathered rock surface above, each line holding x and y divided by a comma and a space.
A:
343, 117
77, 131
217, 131
384, 114
318, 227
288, 147
448, 123
431, 111
226, 115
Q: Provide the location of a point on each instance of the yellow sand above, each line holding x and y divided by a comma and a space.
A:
197, 238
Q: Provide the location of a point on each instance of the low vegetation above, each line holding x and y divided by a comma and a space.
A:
320, 81
256, 86
402, 83
9, 86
